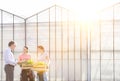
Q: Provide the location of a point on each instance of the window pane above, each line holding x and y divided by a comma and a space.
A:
0, 50
117, 35
117, 12
107, 70
107, 66
19, 27
95, 70
95, 36
31, 32
7, 33
117, 65
105, 16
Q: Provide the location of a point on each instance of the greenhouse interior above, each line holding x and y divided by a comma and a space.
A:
77, 51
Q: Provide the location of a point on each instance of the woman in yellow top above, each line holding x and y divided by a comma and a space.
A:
42, 57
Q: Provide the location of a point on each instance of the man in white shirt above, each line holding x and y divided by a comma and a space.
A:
9, 61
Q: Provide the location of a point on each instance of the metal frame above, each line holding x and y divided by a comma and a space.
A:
49, 40
113, 49
11, 13
61, 46
80, 53
113, 35
68, 38
1, 41
13, 33
55, 45
74, 30
25, 32
100, 43
37, 31
68, 43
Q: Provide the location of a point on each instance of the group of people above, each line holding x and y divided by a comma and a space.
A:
26, 74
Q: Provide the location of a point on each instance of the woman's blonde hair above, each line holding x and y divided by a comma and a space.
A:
41, 47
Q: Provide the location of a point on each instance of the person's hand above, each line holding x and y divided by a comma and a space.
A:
19, 62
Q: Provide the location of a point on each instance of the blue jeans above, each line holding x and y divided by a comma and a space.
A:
42, 76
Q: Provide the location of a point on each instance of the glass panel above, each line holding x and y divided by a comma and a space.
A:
107, 26
84, 70
19, 27
0, 50
95, 55
59, 67
107, 33
31, 32
65, 69
106, 55
7, 29
52, 44
95, 37
71, 41
58, 44
95, 70
83, 37
117, 66
77, 69
43, 30
71, 68
107, 70
107, 66
106, 36
95, 66
44, 16
105, 16
19, 37
7, 33
117, 12
117, 35
77, 41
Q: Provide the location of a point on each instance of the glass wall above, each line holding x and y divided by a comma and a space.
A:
78, 51
104, 42
11, 28
56, 29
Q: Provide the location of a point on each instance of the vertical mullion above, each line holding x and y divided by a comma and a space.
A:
49, 40
74, 49
81, 52
1, 43
87, 51
25, 31
37, 31
13, 28
100, 44
113, 49
13, 31
61, 46
68, 41
55, 45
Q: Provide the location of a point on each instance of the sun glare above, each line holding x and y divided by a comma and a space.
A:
86, 10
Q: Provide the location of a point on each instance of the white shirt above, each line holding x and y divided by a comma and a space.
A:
42, 57
9, 57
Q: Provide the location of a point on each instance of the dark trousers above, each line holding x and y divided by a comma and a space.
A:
27, 75
42, 76
9, 70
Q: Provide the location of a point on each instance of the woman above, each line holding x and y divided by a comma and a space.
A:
26, 74
42, 57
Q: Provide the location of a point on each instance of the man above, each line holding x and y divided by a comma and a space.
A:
9, 61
